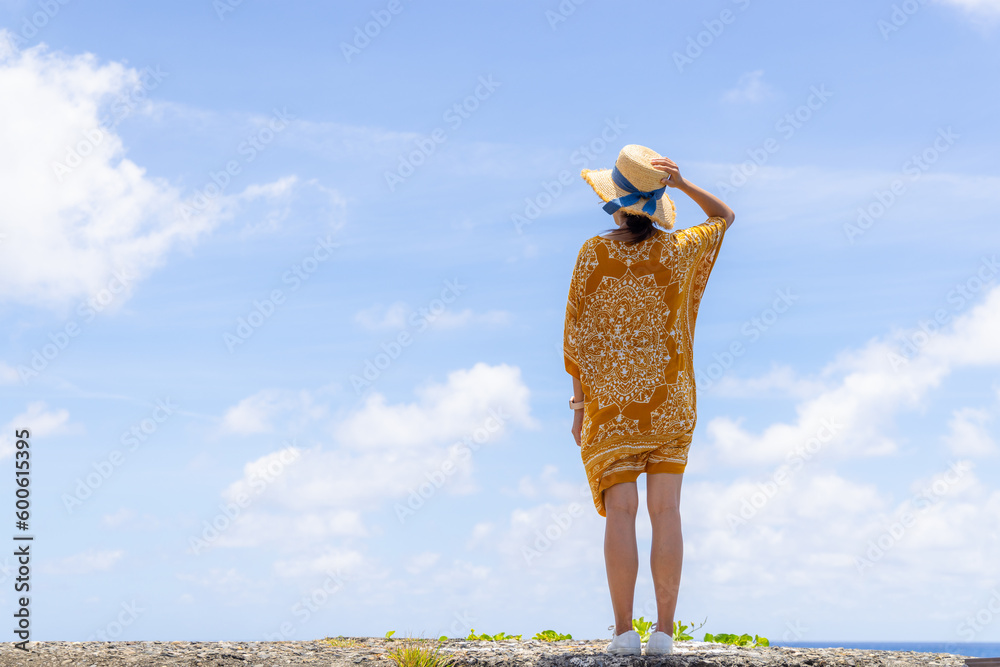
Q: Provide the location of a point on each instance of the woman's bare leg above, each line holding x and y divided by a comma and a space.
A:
663, 499
621, 554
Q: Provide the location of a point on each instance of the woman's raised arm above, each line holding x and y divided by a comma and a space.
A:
709, 203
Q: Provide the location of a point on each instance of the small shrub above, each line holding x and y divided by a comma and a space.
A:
737, 640
550, 636
643, 627
342, 641
412, 655
495, 638
680, 630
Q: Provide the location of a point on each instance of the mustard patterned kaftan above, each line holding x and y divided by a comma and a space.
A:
630, 321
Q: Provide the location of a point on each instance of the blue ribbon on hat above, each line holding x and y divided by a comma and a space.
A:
635, 194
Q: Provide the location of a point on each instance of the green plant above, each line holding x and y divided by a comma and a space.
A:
737, 640
342, 641
495, 638
642, 626
550, 636
680, 630
389, 634
443, 638
411, 655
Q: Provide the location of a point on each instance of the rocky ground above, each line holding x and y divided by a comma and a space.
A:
375, 652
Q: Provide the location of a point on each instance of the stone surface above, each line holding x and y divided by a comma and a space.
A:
374, 652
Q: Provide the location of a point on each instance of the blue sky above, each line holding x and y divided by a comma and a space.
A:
217, 217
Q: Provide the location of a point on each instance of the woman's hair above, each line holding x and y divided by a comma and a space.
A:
640, 226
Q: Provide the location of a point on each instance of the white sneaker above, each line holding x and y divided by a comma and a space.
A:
627, 643
660, 643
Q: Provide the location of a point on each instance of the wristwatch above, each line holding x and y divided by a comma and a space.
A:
575, 405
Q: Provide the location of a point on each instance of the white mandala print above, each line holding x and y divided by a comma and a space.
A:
622, 340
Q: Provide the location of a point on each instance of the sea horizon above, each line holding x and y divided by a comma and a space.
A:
969, 649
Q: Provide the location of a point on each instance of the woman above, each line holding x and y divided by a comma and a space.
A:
627, 342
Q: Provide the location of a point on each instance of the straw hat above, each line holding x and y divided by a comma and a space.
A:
633, 185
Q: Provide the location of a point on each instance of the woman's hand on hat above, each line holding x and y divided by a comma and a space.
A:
673, 178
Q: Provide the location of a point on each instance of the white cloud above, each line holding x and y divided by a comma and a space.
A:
118, 518
739, 527
969, 435
421, 561
480, 532
780, 380
973, 340
8, 374
750, 88
399, 315
874, 384
450, 320
40, 423
127, 517
553, 537
378, 317
526, 488
256, 414
462, 573
87, 562
552, 486
381, 455
232, 586
983, 8
333, 562
256, 526
460, 407
70, 230
780, 195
